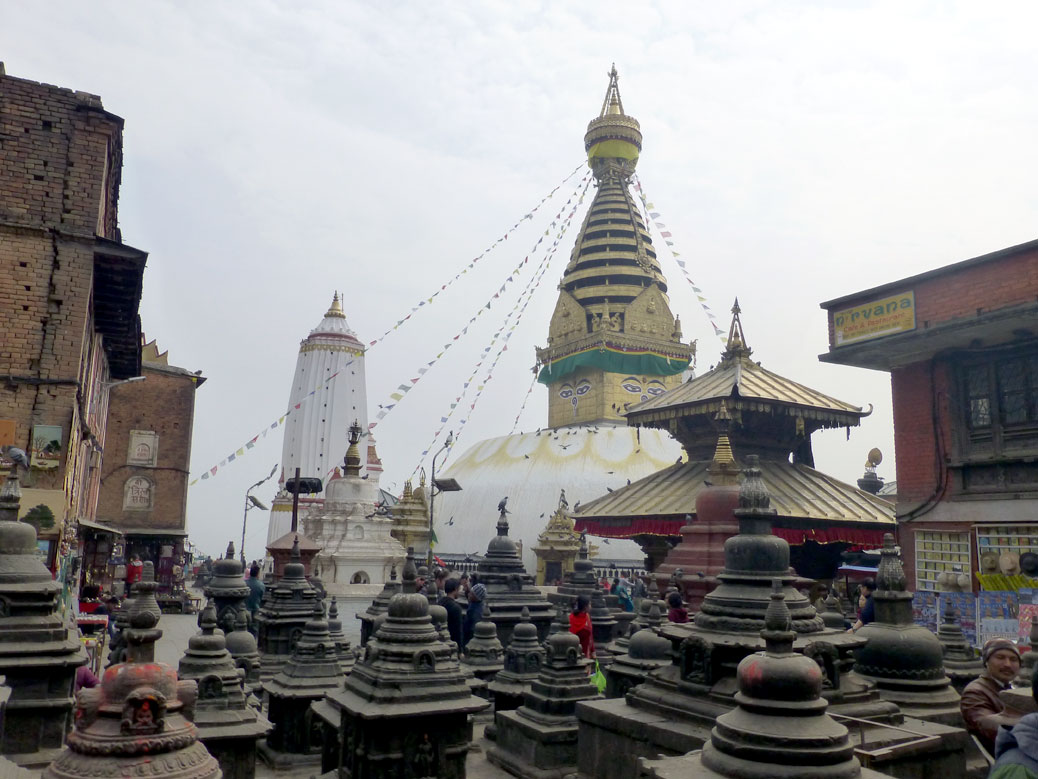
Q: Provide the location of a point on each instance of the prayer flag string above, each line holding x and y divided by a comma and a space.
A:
398, 394
518, 310
651, 214
504, 237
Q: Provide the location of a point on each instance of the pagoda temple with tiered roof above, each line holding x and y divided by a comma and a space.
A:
763, 414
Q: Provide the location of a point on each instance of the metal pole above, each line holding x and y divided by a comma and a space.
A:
295, 504
432, 505
245, 519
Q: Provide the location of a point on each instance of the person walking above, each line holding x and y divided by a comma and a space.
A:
255, 599
449, 601
134, 571
580, 624
476, 597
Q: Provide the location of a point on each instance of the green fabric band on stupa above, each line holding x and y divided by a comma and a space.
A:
611, 361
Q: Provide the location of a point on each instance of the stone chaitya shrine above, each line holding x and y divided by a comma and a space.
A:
137, 723
779, 728
676, 707
404, 710
540, 737
286, 609
227, 724
311, 672
510, 588
38, 653
905, 660
228, 590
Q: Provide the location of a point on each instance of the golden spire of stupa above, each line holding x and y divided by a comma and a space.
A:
335, 309
723, 469
736, 343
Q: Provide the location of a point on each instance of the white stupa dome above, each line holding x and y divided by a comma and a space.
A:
531, 470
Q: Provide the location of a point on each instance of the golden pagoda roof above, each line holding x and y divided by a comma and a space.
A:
797, 492
741, 382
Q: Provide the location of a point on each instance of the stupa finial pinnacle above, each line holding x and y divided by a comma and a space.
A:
736, 343
335, 309
612, 103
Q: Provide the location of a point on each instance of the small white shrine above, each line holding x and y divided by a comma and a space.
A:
352, 529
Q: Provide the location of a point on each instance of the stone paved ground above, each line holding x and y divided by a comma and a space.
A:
178, 628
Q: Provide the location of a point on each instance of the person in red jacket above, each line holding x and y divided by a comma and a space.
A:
134, 569
580, 624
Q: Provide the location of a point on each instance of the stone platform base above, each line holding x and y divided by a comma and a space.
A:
534, 750
286, 761
691, 765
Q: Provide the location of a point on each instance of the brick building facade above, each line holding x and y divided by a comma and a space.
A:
69, 292
144, 476
961, 346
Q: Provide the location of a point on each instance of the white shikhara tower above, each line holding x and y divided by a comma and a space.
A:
329, 393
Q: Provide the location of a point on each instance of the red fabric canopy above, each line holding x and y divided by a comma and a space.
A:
866, 537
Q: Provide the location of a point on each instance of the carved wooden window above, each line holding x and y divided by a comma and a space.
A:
937, 553
999, 410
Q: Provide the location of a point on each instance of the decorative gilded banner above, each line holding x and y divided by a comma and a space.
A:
875, 319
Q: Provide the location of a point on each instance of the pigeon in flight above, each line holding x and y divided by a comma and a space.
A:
450, 521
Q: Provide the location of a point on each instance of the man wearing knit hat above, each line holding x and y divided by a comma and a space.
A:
981, 707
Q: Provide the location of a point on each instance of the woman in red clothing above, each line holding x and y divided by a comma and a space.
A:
580, 624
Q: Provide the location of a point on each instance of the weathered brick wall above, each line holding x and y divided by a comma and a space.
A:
60, 162
915, 435
163, 403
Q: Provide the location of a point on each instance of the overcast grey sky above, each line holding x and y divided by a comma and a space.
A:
276, 151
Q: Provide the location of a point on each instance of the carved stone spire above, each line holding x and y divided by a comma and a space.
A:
139, 718
905, 660
780, 727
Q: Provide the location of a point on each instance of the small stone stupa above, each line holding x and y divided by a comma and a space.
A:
226, 724
241, 645
311, 672
283, 615
228, 590
380, 605
540, 737
523, 660
343, 650
404, 710
38, 654
961, 663
905, 660
644, 652
117, 646
510, 588
780, 728
138, 721
484, 654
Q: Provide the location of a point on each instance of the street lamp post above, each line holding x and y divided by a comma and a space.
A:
252, 502
437, 486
